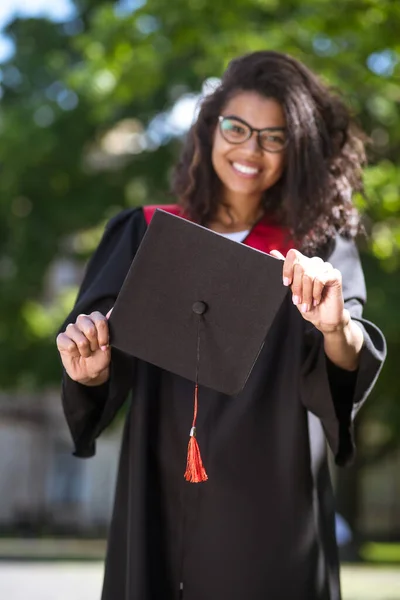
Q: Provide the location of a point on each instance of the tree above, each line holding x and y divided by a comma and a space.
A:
84, 133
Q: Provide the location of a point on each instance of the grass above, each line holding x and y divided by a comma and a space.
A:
381, 553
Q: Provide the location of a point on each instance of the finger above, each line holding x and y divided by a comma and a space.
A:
67, 346
328, 266
101, 323
318, 289
293, 257
297, 284
86, 325
307, 292
81, 341
317, 262
320, 280
277, 254
333, 279
330, 279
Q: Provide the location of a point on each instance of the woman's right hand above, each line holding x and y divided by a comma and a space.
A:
84, 349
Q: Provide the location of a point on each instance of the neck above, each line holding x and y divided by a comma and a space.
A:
238, 213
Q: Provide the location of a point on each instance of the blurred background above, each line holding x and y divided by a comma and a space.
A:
95, 97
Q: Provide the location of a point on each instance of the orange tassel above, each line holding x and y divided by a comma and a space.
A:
195, 471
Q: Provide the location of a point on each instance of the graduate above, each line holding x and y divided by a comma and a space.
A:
271, 162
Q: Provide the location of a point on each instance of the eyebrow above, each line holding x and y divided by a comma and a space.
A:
255, 128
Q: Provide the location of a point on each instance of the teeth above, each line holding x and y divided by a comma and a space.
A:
245, 169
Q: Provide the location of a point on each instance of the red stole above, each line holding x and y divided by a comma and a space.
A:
263, 236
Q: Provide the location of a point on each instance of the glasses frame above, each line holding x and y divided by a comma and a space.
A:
252, 130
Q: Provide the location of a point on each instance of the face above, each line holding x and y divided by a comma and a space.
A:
246, 169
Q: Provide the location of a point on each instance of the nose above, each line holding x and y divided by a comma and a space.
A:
252, 143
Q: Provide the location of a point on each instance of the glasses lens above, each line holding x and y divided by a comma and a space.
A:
273, 141
234, 131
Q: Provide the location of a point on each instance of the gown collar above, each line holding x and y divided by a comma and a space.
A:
263, 236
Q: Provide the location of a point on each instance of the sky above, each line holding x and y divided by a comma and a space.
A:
57, 10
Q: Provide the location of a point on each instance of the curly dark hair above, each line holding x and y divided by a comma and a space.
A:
324, 157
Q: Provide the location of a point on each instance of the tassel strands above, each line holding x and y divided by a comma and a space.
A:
195, 471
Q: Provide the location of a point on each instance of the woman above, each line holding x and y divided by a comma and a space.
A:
273, 157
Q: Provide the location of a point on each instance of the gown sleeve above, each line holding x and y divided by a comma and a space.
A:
89, 410
329, 392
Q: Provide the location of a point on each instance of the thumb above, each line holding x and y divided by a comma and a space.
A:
277, 254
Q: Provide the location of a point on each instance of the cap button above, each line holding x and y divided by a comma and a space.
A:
199, 308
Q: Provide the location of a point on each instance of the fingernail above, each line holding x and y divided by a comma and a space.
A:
286, 281
315, 302
296, 300
304, 308
104, 348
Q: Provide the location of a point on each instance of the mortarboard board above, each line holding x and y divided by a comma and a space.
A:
197, 304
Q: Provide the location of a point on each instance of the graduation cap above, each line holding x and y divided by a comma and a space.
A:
199, 305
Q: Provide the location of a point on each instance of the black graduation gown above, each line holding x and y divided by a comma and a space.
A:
262, 526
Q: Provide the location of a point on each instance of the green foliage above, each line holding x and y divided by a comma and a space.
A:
381, 553
70, 89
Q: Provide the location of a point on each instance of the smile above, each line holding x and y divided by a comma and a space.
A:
245, 169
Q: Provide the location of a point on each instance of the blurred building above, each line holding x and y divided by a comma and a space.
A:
43, 487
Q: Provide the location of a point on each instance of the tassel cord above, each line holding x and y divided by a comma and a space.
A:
195, 471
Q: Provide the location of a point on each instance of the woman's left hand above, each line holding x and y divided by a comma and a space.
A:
316, 290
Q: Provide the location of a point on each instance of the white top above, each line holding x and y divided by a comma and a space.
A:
236, 236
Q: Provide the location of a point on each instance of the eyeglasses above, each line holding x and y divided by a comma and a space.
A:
236, 131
